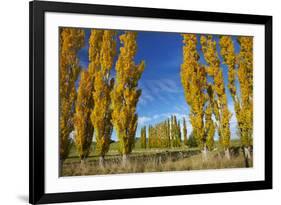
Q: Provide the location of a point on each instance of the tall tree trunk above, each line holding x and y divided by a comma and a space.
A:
61, 167
82, 162
247, 156
248, 152
205, 154
101, 161
82, 166
124, 160
227, 153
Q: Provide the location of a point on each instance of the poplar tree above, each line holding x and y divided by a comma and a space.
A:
173, 130
240, 67
125, 94
143, 137
71, 41
103, 50
245, 76
82, 122
194, 82
149, 137
154, 137
192, 141
157, 135
209, 127
165, 134
223, 115
185, 141
169, 132
178, 134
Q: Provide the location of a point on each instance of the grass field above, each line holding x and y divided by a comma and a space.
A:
153, 160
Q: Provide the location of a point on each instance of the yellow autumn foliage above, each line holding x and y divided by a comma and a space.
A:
185, 141
209, 127
193, 79
245, 77
82, 122
240, 67
222, 113
125, 93
143, 137
71, 40
101, 63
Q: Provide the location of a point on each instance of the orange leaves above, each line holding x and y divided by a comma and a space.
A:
193, 78
184, 132
229, 57
164, 134
219, 96
82, 123
102, 51
108, 51
245, 77
209, 50
143, 137
71, 40
209, 127
240, 67
125, 93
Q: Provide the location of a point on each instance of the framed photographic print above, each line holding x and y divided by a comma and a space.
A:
140, 102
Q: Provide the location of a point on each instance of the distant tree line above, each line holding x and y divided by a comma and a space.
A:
165, 134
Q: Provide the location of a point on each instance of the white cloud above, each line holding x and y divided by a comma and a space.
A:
163, 85
167, 85
181, 108
155, 117
160, 117
142, 120
163, 89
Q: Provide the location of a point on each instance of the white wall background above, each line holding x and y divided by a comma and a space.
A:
14, 103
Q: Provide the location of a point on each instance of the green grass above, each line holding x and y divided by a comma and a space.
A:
153, 160
113, 150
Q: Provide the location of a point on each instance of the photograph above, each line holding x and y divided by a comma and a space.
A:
136, 101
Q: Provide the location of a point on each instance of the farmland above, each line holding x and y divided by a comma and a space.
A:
153, 160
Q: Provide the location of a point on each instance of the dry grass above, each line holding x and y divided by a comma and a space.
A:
154, 163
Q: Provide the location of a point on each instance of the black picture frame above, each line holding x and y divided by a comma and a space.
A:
37, 9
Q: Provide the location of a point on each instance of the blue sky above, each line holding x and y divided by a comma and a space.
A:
162, 92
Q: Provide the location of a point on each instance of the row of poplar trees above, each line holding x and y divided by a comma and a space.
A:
165, 134
101, 102
207, 98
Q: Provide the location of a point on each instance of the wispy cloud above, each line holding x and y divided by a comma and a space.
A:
146, 97
163, 85
164, 90
181, 108
143, 120
159, 117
